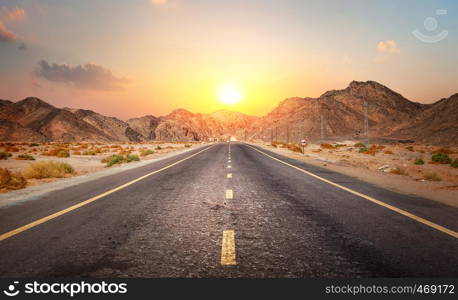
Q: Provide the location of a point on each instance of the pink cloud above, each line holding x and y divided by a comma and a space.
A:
389, 46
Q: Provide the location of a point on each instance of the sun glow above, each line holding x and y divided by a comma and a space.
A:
229, 95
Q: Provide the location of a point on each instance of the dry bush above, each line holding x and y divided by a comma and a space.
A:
146, 152
372, 150
89, 152
294, 148
443, 150
327, 146
76, 153
431, 177
410, 148
5, 155
58, 152
10, 148
398, 171
25, 157
388, 152
47, 169
11, 181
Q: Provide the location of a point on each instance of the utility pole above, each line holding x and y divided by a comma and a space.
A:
321, 120
287, 133
366, 122
321, 127
276, 133
271, 136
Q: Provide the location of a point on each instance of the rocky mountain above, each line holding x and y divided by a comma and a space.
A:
55, 124
338, 114
438, 124
342, 112
145, 126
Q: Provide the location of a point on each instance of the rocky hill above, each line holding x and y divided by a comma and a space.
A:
339, 114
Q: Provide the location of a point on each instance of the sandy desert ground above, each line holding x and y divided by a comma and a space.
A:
389, 166
84, 158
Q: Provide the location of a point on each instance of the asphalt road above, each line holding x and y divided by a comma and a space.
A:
285, 223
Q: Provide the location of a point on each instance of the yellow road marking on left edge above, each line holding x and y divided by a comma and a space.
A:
228, 248
390, 207
76, 206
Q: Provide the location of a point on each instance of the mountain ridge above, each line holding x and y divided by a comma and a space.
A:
389, 114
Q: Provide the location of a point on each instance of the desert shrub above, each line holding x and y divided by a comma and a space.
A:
442, 150
327, 146
371, 151
113, 160
454, 164
146, 152
58, 152
431, 177
359, 145
363, 150
68, 168
169, 147
340, 145
5, 155
410, 148
294, 148
63, 153
25, 157
47, 169
76, 152
419, 161
388, 152
34, 145
274, 144
441, 158
89, 152
132, 157
11, 181
187, 146
398, 171
10, 148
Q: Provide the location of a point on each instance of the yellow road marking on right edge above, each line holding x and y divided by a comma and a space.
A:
228, 248
76, 206
390, 207
229, 175
229, 167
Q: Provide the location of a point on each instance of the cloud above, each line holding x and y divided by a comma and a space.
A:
389, 46
12, 14
159, 2
5, 34
6, 15
88, 76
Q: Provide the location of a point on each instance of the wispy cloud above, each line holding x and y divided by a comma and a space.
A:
389, 47
7, 15
12, 14
5, 34
88, 76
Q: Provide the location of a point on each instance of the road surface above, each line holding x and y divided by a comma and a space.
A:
228, 210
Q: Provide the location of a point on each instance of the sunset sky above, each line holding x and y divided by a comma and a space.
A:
131, 58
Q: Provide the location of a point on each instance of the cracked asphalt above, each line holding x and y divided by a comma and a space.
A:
170, 224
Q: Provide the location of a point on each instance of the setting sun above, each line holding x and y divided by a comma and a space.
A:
229, 95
